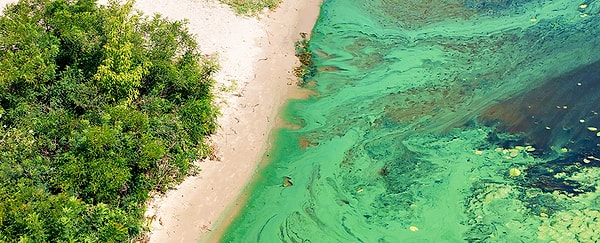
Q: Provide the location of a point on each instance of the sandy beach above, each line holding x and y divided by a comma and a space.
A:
256, 57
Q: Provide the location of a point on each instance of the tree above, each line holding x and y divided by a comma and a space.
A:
98, 106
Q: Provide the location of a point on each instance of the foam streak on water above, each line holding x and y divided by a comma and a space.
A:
439, 121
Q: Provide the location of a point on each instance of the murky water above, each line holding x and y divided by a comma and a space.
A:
440, 121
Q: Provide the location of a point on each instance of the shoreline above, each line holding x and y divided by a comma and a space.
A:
281, 56
258, 54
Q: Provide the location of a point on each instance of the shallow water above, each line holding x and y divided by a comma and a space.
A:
439, 121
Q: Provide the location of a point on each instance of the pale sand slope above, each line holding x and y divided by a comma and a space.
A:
258, 54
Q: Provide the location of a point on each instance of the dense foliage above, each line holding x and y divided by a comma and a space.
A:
99, 105
251, 7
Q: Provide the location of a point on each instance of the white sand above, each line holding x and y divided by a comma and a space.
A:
258, 55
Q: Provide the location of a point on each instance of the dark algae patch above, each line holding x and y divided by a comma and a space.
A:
439, 121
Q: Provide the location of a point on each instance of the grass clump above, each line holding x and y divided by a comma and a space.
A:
251, 7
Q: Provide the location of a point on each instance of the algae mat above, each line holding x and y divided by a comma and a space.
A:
439, 121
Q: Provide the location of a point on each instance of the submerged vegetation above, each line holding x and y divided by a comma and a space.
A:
307, 68
251, 7
99, 105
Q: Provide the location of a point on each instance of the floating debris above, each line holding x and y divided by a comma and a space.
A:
287, 182
413, 228
583, 6
594, 158
514, 172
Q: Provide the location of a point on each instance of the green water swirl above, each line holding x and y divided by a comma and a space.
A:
439, 121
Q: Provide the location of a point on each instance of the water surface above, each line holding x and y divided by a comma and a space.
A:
439, 121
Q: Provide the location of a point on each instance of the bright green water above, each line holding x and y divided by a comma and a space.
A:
440, 121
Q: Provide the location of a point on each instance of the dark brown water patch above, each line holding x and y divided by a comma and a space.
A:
561, 112
305, 143
324, 55
414, 14
328, 69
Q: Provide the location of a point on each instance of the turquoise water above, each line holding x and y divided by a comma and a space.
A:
439, 121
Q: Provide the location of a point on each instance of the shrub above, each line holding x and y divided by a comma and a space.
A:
98, 106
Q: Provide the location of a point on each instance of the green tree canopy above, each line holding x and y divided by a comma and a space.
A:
99, 105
